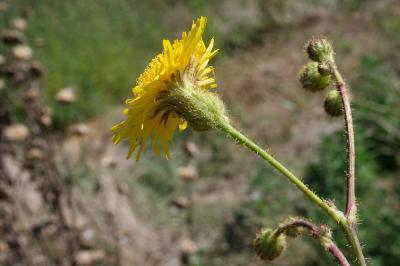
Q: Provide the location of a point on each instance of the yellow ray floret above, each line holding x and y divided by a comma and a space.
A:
148, 119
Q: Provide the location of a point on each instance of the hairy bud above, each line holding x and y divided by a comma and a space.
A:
312, 80
333, 103
268, 244
324, 69
203, 109
320, 50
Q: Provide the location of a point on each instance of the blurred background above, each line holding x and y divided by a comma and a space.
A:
69, 197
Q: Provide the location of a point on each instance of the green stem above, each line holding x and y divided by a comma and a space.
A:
243, 140
352, 238
334, 213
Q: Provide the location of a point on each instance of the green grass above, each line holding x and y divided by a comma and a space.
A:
98, 46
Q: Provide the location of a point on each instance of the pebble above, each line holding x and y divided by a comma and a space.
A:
35, 154
188, 173
19, 24
2, 60
22, 52
16, 132
66, 95
2, 84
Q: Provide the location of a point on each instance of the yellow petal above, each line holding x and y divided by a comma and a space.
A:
182, 125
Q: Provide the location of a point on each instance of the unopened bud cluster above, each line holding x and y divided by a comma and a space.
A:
312, 80
317, 74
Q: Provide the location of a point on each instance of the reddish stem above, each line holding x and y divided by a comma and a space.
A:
340, 258
348, 119
299, 222
317, 232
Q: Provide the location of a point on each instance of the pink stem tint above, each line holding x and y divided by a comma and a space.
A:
351, 197
338, 255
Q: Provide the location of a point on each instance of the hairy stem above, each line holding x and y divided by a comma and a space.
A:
351, 208
349, 228
355, 245
335, 214
317, 232
337, 254
243, 140
298, 222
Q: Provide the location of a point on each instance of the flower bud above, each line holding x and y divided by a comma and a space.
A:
269, 245
312, 80
320, 50
333, 103
323, 69
203, 109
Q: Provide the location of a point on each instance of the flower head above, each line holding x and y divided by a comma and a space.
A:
155, 111
320, 50
333, 103
269, 244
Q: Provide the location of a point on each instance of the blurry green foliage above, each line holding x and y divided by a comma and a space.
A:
377, 92
388, 20
98, 46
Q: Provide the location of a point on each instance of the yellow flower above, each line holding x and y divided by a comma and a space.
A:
148, 117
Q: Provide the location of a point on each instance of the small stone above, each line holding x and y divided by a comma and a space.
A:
16, 132
19, 24
4, 248
180, 202
87, 238
2, 60
22, 52
2, 84
35, 154
46, 120
188, 247
89, 257
191, 149
79, 129
66, 95
12, 37
188, 173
